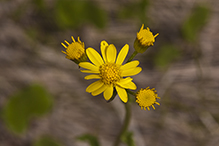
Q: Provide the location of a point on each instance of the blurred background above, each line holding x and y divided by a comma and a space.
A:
43, 101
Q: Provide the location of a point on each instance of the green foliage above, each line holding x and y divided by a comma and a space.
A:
92, 140
46, 141
195, 22
21, 107
136, 9
128, 139
40, 4
166, 55
74, 13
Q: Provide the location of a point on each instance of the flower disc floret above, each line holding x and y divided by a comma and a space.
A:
110, 71
146, 98
75, 51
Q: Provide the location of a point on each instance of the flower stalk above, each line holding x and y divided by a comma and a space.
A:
132, 56
125, 124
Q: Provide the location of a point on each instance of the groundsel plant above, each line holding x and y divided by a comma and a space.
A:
113, 76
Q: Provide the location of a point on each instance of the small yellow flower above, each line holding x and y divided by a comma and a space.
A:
75, 51
110, 71
144, 39
146, 98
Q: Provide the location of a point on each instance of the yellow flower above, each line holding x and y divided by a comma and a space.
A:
75, 51
146, 98
144, 39
110, 71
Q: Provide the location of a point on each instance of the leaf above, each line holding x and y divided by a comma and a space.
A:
74, 13
135, 9
21, 107
166, 55
46, 141
92, 140
95, 15
195, 22
128, 139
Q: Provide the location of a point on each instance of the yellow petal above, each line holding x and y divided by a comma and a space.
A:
111, 53
90, 71
88, 77
130, 65
94, 86
108, 92
127, 84
122, 94
131, 72
94, 57
99, 91
131, 86
122, 54
88, 65
126, 80
103, 46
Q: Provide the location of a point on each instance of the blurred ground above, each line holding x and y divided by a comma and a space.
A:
30, 52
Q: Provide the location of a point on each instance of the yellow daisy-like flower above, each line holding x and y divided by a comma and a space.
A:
144, 39
75, 51
146, 98
110, 71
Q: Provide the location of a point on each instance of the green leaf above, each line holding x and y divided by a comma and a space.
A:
166, 55
135, 9
74, 13
69, 13
195, 22
95, 15
21, 107
128, 139
92, 140
46, 141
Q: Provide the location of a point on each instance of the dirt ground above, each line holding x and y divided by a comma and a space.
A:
189, 89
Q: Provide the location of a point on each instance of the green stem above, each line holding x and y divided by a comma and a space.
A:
131, 92
125, 124
131, 57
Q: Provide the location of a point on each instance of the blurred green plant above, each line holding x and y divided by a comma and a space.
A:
193, 24
46, 141
74, 13
128, 139
28, 103
92, 140
135, 9
166, 55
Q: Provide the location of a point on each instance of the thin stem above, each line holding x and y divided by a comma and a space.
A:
125, 124
131, 57
131, 92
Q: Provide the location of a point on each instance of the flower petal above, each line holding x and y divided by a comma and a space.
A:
122, 94
88, 77
131, 86
111, 53
108, 92
103, 46
99, 91
130, 65
127, 83
131, 72
94, 57
94, 86
122, 54
88, 65
126, 80
89, 71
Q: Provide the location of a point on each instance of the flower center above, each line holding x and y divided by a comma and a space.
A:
75, 50
110, 73
147, 97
